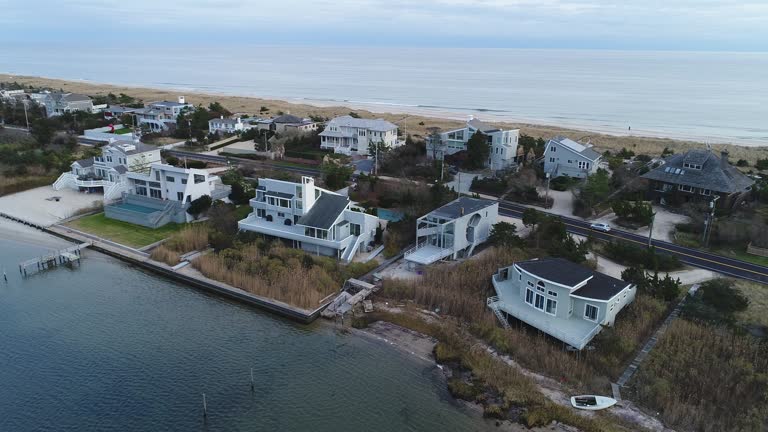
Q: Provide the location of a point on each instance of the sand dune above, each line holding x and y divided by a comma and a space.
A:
413, 119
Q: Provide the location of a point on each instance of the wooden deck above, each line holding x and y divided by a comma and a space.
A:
69, 255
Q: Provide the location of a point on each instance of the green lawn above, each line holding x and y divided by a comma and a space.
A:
122, 131
123, 232
243, 211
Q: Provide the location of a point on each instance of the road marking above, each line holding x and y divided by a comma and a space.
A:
663, 248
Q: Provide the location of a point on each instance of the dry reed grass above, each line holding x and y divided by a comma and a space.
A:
706, 379
277, 273
190, 238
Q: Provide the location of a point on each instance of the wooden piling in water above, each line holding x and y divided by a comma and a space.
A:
205, 407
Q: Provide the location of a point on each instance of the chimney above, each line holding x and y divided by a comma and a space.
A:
181, 99
462, 211
724, 158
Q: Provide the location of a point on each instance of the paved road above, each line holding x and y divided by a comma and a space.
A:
242, 161
696, 258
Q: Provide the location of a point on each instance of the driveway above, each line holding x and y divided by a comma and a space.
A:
463, 181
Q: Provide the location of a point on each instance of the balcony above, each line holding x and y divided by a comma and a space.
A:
290, 232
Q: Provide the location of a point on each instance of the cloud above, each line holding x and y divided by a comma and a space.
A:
698, 24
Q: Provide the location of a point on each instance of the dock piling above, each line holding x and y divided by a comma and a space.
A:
205, 407
252, 386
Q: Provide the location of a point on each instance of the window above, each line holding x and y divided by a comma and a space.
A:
540, 286
552, 160
685, 188
529, 297
539, 302
155, 185
157, 175
552, 149
706, 192
591, 312
260, 212
183, 181
583, 165
155, 193
551, 307
530, 284
109, 158
199, 178
520, 275
180, 196
141, 190
140, 182
354, 229
280, 214
552, 293
170, 179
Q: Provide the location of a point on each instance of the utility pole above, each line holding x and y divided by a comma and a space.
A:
26, 117
650, 232
710, 221
546, 197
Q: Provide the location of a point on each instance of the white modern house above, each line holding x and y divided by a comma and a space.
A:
107, 172
503, 143
564, 300
563, 156
162, 195
228, 125
313, 219
350, 136
161, 116
57, 104
453, 230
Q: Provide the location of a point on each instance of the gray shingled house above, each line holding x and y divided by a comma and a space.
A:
565, 157
698, 175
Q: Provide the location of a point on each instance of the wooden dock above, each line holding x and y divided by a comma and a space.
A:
69, 256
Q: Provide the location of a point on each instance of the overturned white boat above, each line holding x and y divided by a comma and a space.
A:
592, 403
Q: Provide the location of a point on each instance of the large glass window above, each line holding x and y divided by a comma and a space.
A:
529, 296
199, 178
539, 302
551, 306
170, 179
155, 193
141, 190
591, 312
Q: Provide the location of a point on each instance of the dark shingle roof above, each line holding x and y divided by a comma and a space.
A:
120, 169
453, 209
713, 175
326, 210
288, 118
85, 163
601, 287
557, 270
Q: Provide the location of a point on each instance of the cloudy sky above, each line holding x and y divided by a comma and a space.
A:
622, 24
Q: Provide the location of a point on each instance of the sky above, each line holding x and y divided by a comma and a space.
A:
708, 25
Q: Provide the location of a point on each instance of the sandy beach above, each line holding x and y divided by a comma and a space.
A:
413, 119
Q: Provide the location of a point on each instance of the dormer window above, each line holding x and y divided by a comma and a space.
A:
691, 166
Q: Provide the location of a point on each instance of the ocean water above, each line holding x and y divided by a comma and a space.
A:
708, 96
108, 347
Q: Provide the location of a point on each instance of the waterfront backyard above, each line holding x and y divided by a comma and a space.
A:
129, 234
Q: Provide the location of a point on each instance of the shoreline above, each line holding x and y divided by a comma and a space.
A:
415, 119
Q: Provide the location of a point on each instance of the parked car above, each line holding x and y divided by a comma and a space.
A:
600, 226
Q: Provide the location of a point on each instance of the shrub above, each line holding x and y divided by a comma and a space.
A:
631, 255
200, 205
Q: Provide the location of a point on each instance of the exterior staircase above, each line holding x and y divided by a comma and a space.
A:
115, 190
493, 303
351, 250
66, 179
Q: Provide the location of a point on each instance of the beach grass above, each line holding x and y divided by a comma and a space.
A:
123, 232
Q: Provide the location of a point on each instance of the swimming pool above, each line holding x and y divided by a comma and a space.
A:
135, 208
389, 215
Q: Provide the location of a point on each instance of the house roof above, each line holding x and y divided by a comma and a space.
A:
601, 287
379, 125
579, 148
169, 104
84, 163
557, 270
223, 120
288, 118
481, 126
325, 211
714, 174
120, 169
138, 147
70, 97
279, 194
461, 206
